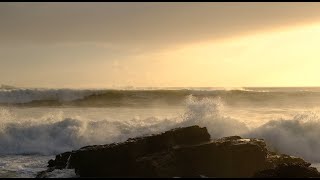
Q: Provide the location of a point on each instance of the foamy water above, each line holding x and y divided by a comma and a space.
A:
31, 135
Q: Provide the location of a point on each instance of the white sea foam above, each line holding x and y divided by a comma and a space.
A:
298, 136
208, 113
56, 133
20, 166
62, 173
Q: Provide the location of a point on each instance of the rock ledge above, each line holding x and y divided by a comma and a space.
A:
181, 152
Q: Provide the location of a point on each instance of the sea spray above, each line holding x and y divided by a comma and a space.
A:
55, 133
298, 136
52, 134
208, 112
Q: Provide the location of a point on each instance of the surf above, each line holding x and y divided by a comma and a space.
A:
55, 133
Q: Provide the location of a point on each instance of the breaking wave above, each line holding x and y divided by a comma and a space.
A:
298, 136
55, 133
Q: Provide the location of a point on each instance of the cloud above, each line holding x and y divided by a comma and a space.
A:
144, 24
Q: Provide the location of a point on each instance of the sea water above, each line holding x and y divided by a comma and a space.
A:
37, 124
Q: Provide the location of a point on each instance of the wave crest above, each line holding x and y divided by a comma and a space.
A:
55, 133
298, 136
74, 97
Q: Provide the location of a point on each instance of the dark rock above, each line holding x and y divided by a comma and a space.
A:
116, 160
284, 170
273, 160
181, 152
60, 162
222, 158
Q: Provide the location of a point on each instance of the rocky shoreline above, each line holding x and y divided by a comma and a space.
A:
181, 152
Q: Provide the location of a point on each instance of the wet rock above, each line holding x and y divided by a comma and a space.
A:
60, 162
120, 160
181, 152
294, 170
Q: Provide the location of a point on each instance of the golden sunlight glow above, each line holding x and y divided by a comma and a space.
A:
283, 57
287, 57
159, 44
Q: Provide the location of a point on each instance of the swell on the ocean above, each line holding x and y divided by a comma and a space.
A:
56, 133
112, 97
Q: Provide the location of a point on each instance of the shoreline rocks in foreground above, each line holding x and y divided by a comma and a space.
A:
181, 152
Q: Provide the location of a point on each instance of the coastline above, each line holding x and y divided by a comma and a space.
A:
181, 152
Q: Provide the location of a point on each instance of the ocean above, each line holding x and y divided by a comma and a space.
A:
36, 124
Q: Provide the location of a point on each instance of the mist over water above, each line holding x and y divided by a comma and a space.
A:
287, 119
263, 97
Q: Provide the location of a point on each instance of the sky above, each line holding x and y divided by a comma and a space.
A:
141, 44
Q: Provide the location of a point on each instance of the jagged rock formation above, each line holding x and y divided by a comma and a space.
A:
182, 152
